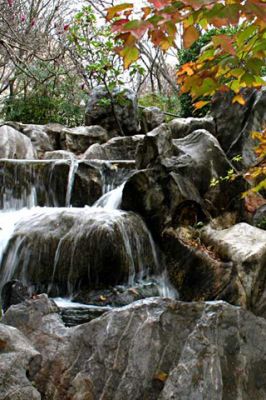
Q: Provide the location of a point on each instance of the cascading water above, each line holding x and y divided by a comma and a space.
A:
105, 245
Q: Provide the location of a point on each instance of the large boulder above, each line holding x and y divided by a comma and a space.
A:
39, 138
245, 247
19, 361
118, 148
177, 175
157, 349
13, 144
70, 250
235, 123
79, 139
217, 263
99, 111
181, 127
151, 118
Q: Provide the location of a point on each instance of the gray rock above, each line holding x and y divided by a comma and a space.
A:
19, 361
176, 174
156, 349
13, 144
151, 118
245, 246
99, 111
235, 123
117, 148
59, 155
259, 218
181, 127
71, 250
39, 138
79, 139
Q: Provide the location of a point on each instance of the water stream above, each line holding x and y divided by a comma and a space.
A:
20, 213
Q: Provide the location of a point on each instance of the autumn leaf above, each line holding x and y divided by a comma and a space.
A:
239, 99
130, 55
199, 104
191, 34
160, 376
113, 11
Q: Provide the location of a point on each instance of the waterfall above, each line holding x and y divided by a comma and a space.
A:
112, 199
71, 177
62, 250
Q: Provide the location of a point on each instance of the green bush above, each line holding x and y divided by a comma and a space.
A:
170, 104
42, 110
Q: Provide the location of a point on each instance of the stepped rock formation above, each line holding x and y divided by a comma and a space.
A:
82, 224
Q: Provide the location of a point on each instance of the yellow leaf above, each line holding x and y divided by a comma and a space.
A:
239, 99
160, 376
103, 298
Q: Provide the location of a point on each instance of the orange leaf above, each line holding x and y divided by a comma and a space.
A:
190, 35
200, 104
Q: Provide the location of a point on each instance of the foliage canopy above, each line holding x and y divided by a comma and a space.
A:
232, 61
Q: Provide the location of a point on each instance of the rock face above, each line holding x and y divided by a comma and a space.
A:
157, 349
176, 175
59, 155
245, 247
222, 264
39, 138
151, 118
181, 127
79, 139
234, 123
54, 183
18, 362
118, 148
70, 250
99, 111
14, 144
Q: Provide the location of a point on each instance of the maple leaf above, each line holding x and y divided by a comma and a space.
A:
191, 34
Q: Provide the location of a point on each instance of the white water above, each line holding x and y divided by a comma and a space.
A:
111, 200
14, 210
71, 178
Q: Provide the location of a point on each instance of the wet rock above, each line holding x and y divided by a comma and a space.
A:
151, 118
59, 155
99, 111
72, 250
19, 361
235, 123
153, 349
119, 296
73, 316
13, 292
13, 144
79, 139
31, 183
118, 148
181, 127
88, 185
53, 183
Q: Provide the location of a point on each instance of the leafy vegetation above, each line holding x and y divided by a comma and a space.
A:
232, 61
